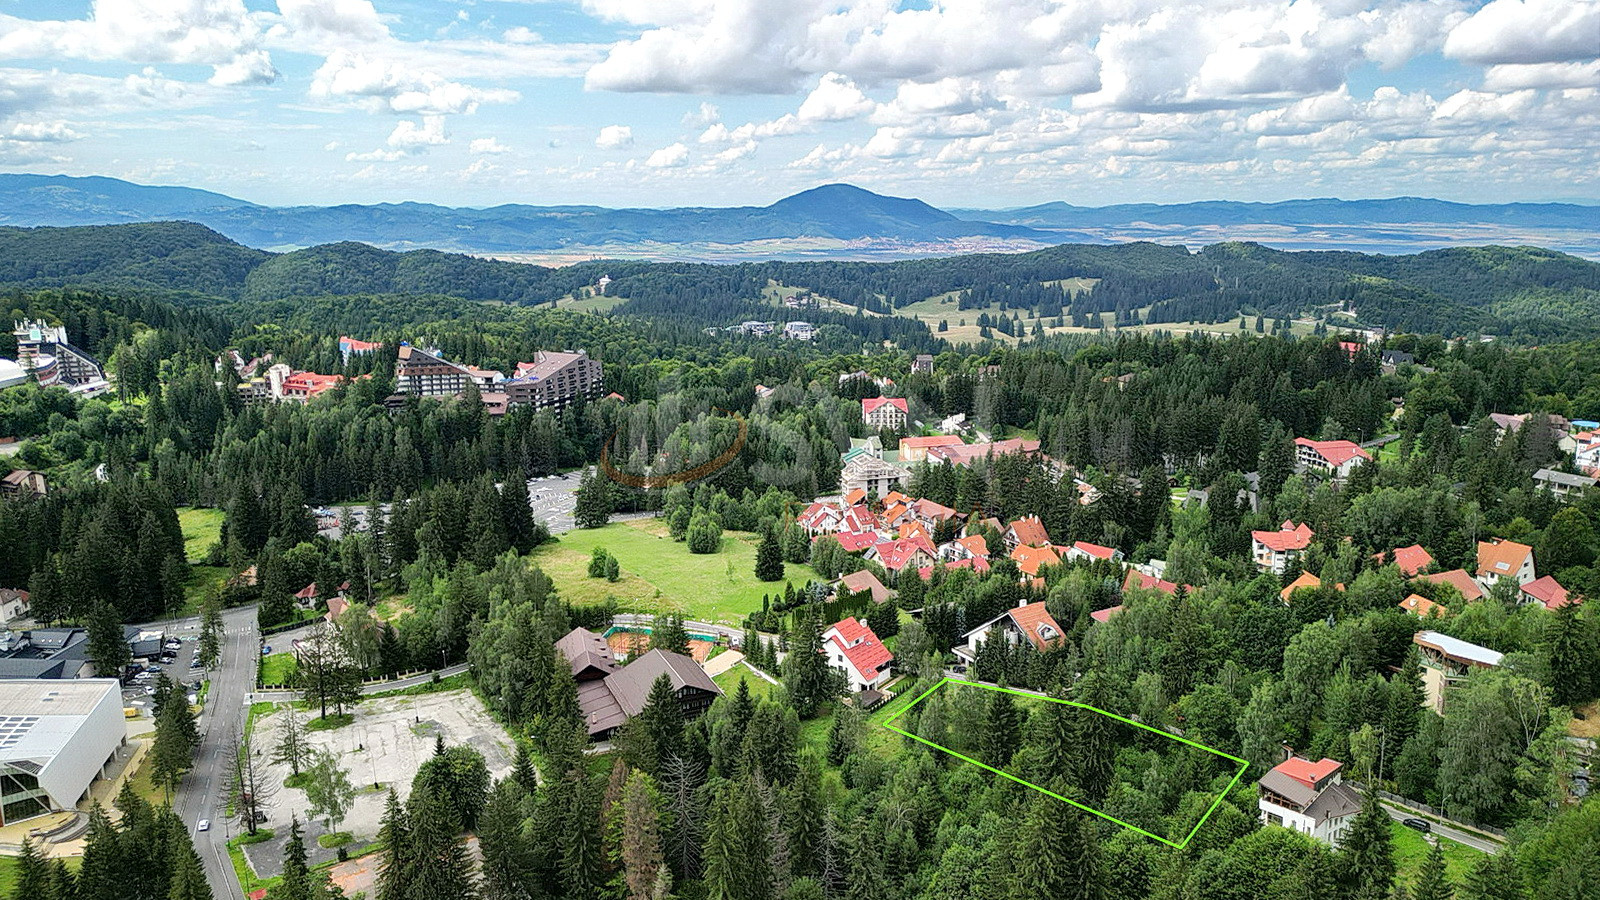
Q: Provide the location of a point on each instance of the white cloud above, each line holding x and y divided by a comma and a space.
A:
1528, 31
668, 157
332, 20
834, 99
43, 133
487, 145
522, 35
218, 33
701, 117
614, 137
375, 156
408, 135
399, 88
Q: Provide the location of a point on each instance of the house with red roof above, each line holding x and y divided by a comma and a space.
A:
1272, 550
864, 580
1458, 579
1027, 531
1032, 560
885, 412
1411, 560
1029, 622
1548, 592
932, 514
1333, 459
853, 650
1305, 580
1104, 615
1308, 797
856, 541
820, 518
302, 386
970, 547
915, 449
307, 596
1423, 608
1137, 580
967, 454
902, 552
851, 498
1087, 552
859, 518
1499, 559
977, 564
349, 346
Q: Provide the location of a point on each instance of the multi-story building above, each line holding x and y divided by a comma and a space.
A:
799, 331
349, 346
1333, 459
45, 350
1446, 662
427, 374
1308, 797
872, 475
1274, 550
553, 380
855, 651
885, 412
59, 735
1499, 559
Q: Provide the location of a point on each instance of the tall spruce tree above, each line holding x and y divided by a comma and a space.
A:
769, 557
1056, 853
395, 869
1366, 854
1432, 883
296, 883
1002, 729
441, 868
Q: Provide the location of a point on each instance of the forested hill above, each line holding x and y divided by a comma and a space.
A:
1518, 292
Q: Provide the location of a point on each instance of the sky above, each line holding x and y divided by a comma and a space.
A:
963, 103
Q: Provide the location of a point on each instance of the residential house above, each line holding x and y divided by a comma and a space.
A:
1305, 580
915, 449
1032, 560
588, 654
972, 546
1446, 662
1423, 608
1586, 451
1333, 459
884, 413
609, 696
1499, 559
13, 605
1137, 580
1547, 592
854, 651
554, 380
302, 386
1411, 560
857, 541
864, 580
336, 607
1563, 484
1087, 552
1458, 579
967, 454
976, 563
923, 363
1308, 797
1273, 550
820, 518
24, 483
1030, 622
897, 554
1104, 615
874, 476
1394, 359
932, 514
1027, 531
427, 374
763, 392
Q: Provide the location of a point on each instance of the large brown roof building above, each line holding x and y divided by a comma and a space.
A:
608, 695
553, 380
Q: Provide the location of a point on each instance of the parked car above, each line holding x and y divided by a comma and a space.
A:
172, 644
1421, 825
195, 663
267, 650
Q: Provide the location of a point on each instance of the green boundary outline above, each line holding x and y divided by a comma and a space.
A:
1243, 764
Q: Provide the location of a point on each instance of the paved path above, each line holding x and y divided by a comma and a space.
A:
367, 690
201, 795
1472, 839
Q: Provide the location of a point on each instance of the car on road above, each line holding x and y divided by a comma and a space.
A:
203, 825
266, 650
1421, 825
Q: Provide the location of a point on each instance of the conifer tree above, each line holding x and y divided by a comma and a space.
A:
395, 871
441, 868
1002, 729
296, 883
1432, 883
592, 505
31, 878
108, 648
640, 848
522, 771
1056, 853
1493, 877
188, 876
508, 870
1366, 854
580, 841
769, 557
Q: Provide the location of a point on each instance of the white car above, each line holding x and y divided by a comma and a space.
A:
203, 825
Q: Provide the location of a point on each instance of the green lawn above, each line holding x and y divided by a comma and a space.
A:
660, 575
8, 875
201, 528
597, 303
729, 682
277, 669
1411, 850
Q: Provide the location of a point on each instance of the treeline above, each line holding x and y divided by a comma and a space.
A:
151, 841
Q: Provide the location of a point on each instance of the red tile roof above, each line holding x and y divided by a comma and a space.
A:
1459, 579
937, 440
1306, 580
1548, 591
307, 592
896, 555
861, 646
1337, 453
1412, 559
1422, 607
1030, 531
856, 496
1031, 559
975, 544
1094, 550
1104, 615
927, 509
1036, 622
1307, 772
1288, 537
1137, 579
976, 564
872, 403
854, 542
1498, 557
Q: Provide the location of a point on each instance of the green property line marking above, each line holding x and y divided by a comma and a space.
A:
1243, 764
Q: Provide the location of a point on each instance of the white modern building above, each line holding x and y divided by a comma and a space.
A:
1308, 797
55, 740
854, 650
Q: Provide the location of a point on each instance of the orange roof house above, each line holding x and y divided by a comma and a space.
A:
1411, 560
1503, 559
1458, 579
1423, 608
1027, 531
1143, 582
1548, 592
1032, 559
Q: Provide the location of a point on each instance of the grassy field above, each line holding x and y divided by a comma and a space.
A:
1411, 850
277, 668
202, 527
660, 575
8, 875
729, 682
597, 303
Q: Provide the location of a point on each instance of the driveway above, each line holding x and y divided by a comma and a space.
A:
202, 793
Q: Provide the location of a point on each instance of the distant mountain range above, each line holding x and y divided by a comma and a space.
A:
836, 221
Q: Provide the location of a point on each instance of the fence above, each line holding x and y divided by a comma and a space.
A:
1408, 803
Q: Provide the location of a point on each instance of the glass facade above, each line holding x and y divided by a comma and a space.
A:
20, 796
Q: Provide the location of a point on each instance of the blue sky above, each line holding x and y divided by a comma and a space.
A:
976, 103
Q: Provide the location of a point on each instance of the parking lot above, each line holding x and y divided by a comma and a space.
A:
136, 692
553, 499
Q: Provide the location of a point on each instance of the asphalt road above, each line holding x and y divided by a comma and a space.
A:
1475, 841
202, 793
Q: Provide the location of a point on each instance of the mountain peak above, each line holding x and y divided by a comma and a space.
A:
838, 200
